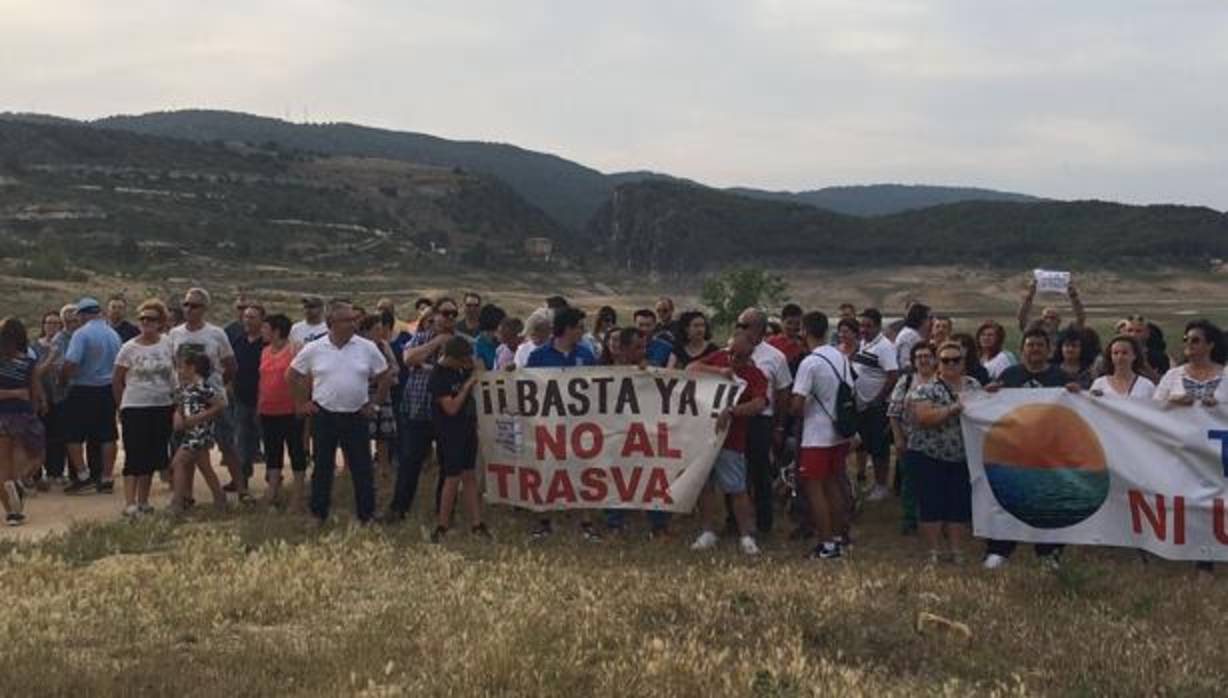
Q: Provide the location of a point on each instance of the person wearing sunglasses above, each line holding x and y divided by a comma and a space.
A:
312, 326
1200, 379
144, 387
196, 335
939, 461
899, 411
415, 435
1197, 381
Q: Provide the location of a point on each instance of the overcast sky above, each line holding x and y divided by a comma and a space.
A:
1112, 99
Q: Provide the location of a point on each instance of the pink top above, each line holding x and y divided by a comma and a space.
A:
274, 397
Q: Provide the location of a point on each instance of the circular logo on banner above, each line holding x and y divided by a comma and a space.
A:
1046, 466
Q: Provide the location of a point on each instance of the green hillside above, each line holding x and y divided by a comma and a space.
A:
884, 199
674, 227
567, 191
117, 199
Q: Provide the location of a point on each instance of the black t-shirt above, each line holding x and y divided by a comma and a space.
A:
247, 375
682, 359
126, 330
451, 429
1018, 376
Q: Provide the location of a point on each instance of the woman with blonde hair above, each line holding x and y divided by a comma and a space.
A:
143, 383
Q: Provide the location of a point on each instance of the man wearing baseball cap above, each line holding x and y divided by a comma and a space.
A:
90, 406
312, 326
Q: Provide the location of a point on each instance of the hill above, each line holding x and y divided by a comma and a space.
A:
672, 227
884, 199
568, 191
114, 198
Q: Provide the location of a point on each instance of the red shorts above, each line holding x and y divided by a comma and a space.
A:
821, 462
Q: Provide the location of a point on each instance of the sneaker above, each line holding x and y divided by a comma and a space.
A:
706, 541
230, 487
543, 530
878, 494
145, 508
934, 558
438, 534
481, 532
131, 511
748, 545
845, 541
826, 551
78, 487
590, 532
15, 519
993, 561
105, 487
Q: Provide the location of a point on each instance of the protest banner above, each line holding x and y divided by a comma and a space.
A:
600, 438
1056, 467
1051, 281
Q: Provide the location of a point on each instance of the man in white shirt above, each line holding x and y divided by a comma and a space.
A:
765, 432
330, 379
823, 449
917, 322
877, 371
197, 336
312, 326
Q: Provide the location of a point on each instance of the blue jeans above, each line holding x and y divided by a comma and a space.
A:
349, 430
414, 440
247, 435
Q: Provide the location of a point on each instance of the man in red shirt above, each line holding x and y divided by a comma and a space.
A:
789, 341
729, 471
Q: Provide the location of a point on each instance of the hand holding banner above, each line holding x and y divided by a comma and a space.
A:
1052, 281
600, 438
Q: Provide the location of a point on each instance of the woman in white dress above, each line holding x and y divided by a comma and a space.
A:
1123, 367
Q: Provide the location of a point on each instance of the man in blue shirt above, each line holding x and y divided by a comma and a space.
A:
90, 406
564, 351
657, 348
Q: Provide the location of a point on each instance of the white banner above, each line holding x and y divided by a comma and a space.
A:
600, 438
1051, 281
1054, 467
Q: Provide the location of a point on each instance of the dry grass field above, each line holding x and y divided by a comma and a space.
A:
258, 603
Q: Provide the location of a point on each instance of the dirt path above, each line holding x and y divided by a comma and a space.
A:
53, 512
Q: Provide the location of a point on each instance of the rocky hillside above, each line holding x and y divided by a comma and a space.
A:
109, 198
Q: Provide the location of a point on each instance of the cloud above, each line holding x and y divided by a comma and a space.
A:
1114, 99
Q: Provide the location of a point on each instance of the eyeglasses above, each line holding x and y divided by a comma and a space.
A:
150, 318
447, 313
951, 360
193, 306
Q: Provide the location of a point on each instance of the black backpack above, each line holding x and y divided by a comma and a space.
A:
846, 417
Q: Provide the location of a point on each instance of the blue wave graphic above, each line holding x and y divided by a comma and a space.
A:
1048, 497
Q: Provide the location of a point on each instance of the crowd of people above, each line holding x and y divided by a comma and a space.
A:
819, 395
